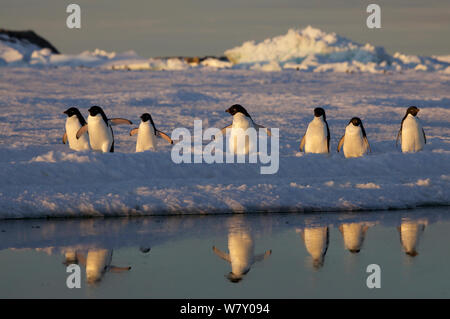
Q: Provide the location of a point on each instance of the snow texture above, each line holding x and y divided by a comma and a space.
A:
41, 177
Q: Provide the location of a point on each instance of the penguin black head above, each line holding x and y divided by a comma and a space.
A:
234, 278
412, 110
413, 253
236, 108
318, 112
147, 117
144, 249
356, 121
354, 251
74, 111
94, 110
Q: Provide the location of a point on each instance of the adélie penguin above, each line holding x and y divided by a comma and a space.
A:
411, 132
317, 137
74, 122
101, 135
241, 256
147, 134
354, 141
241, 122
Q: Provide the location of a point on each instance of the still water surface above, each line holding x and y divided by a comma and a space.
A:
317, 255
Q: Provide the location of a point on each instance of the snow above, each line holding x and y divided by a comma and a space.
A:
41, 177
308, 49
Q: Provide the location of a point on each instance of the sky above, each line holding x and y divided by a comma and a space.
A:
155, 28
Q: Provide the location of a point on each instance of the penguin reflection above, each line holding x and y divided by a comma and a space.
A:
353, 235
316, 241
241, 250
96, 261
410, 232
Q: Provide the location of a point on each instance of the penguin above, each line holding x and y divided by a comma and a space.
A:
74, 122
316, 241
241, 253
317, 137
353, 234
147, 134
241, 121
355, 139
98, 262
411, 132
101, 135
410, 232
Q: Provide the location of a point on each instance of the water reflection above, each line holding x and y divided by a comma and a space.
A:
327, 242
241, 249
316, 240
96, 261
410, 232
353, 235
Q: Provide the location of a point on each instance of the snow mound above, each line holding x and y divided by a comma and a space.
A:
311, 49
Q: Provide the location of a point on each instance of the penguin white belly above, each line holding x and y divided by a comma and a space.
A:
240, 144
412, 135
72, 127
240, 246
100, 134
316, 137
97, 262
146, 139
354, 145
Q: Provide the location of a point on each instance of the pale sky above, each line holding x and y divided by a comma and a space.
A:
209, 27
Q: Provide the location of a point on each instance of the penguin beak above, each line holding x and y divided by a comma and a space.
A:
65, 112
228, 111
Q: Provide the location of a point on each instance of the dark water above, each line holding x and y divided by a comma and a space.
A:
255, 256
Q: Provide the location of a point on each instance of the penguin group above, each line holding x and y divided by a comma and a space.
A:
354, 142
96, 133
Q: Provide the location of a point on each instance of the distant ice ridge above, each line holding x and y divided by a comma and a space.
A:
309, 49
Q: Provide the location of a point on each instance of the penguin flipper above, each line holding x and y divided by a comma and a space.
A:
261, 257
399, 135
134, 131
302, 143
118, 269
64, 139
424, 136
82, 130
366, 141
341, 142
164, 136
221, 254
119, 120
261, 127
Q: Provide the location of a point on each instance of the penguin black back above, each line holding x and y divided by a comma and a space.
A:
94, 110
236, 108
74, 111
